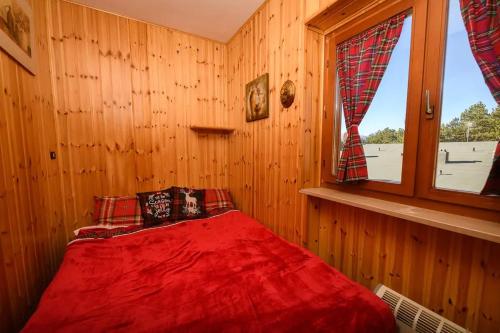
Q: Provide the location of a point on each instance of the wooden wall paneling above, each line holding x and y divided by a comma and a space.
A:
181, 85
274, 40
28, 100
211, 154
69, 110
18, 203
235, 119
311, 131
247, 54
202, 55
6, 324
163, 139
27, 252
453, 275
48, 215
284, 156
79, 31
141, 104
59, 83
256, 40
96, 173
8, 233
221, 114
241, 142
195, 143
488, 314
116, 88
312, 218
272, 172
158, 107
286, 159
219, 144
296, 72
77, 109
33, 252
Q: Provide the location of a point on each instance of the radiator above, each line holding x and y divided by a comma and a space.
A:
413, 317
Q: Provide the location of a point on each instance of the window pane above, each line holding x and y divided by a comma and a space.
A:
382, 128
470, 117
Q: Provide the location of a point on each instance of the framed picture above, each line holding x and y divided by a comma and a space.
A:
17, 31
257, 98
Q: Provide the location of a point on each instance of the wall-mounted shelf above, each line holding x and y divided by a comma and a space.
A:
457, 223
212, 129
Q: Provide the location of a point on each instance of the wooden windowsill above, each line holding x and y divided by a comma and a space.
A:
460, 224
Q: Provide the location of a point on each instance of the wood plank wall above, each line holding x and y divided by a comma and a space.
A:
454, 275
114, 98
271, 159
31, 240
125, 94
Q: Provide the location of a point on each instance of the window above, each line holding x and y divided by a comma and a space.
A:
432, 126
382, 128
469, 129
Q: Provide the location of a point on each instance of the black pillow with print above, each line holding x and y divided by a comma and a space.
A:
188, 203
156, 207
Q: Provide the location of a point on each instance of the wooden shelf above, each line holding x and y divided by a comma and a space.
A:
469, 226
212, 129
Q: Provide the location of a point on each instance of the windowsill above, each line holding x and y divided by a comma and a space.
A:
469, 226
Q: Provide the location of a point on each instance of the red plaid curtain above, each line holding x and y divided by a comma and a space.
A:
492, 185
481, 19
361, 63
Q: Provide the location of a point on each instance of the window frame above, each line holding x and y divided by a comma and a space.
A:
427, 57
332, 115
429, 133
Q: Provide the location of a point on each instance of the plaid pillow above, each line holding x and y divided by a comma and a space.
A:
117, 211
188, 203
156, 207
218, 201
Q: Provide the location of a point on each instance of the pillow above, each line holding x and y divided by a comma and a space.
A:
188, 203
117, 211
156, 207
218, 201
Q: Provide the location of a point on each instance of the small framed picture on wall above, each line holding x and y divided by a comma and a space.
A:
17, 32
257, 98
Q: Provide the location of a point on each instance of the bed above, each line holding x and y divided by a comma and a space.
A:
227, 273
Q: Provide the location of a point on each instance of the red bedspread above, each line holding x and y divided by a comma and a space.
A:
227, 273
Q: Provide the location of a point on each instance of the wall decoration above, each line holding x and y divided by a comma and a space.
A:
257, 98
287, 94
17, 31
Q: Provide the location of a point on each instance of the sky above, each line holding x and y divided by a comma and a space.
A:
463, 82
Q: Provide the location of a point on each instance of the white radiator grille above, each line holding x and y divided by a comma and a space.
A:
427, 322
413, 317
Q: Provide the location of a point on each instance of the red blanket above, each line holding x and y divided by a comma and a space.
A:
226, 273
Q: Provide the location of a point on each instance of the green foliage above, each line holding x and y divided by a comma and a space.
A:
387, 135
482, 125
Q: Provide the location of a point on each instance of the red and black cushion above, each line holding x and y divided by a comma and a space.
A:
188, 203
218, 201
156, 207
117, 211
